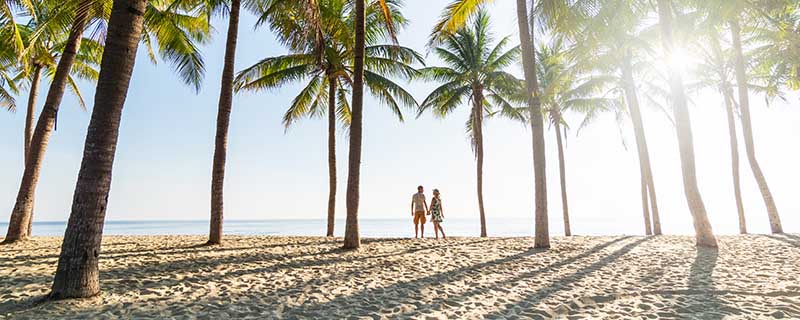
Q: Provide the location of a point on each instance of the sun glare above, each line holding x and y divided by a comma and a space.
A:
681, 60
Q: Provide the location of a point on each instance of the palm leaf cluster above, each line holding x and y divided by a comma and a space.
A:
330, 63
475, 69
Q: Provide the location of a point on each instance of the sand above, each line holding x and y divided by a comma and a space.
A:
754, 276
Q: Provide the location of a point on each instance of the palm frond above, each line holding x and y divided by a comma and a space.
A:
178, 36
303, 104
453, 17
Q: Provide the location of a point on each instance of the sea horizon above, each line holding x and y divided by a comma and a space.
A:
369, 227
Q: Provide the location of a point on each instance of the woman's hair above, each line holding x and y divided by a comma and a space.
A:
435, 190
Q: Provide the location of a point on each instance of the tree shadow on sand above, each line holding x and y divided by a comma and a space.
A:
792, 236
9, 307
408, 292
158, 275
789, 239
705, 300
29, 259
560, 284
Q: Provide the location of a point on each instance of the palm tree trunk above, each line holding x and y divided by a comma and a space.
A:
737, 189
641, 141
23, 208
727, 94
29, 115
352, 238
477, 117
651, 189
77, 274
563, 176
542, 232
702, 226
31, 111
223, 121
331, 156
747, 129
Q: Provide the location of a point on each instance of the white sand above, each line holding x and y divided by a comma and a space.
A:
306, 277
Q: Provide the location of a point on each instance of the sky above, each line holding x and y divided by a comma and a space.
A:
162, 169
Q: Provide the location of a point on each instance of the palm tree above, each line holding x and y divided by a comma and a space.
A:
475, 72
565, 89
223, 122
352, 238
42, 52
714, 72
613, 51
747, 127
77, 274
703, 232
542, 232
169, 26
555, 14
327, 78
21, 214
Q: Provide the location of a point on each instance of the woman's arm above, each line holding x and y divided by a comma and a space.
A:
427, 209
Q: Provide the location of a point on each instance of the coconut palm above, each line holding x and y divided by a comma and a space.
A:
174, 30
223, 115
526, 37
352, 238
453, 17
703, 232
565, 89
42, 52
747, 127
715, 73
475, 73
556, 82
765, 19
614, 50
77, 273
84, 12
327, 79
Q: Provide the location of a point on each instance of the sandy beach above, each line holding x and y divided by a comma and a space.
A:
752, 276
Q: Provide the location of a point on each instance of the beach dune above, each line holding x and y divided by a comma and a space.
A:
258, 277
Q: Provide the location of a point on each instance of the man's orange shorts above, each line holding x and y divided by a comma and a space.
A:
419, 217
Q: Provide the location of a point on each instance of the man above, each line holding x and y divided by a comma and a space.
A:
419, 207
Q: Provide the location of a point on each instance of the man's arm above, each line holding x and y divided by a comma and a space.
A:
412, 206
426, 206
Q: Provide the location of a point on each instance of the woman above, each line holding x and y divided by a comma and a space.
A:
437, 214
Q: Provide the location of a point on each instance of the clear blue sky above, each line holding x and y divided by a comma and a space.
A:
163, 163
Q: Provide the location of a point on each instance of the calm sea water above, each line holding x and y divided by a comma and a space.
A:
369, 228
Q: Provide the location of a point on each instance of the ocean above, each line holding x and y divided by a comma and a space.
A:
371, 228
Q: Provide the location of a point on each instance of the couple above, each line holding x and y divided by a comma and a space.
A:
419, 208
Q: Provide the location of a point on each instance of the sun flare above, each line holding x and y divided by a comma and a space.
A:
681, 60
